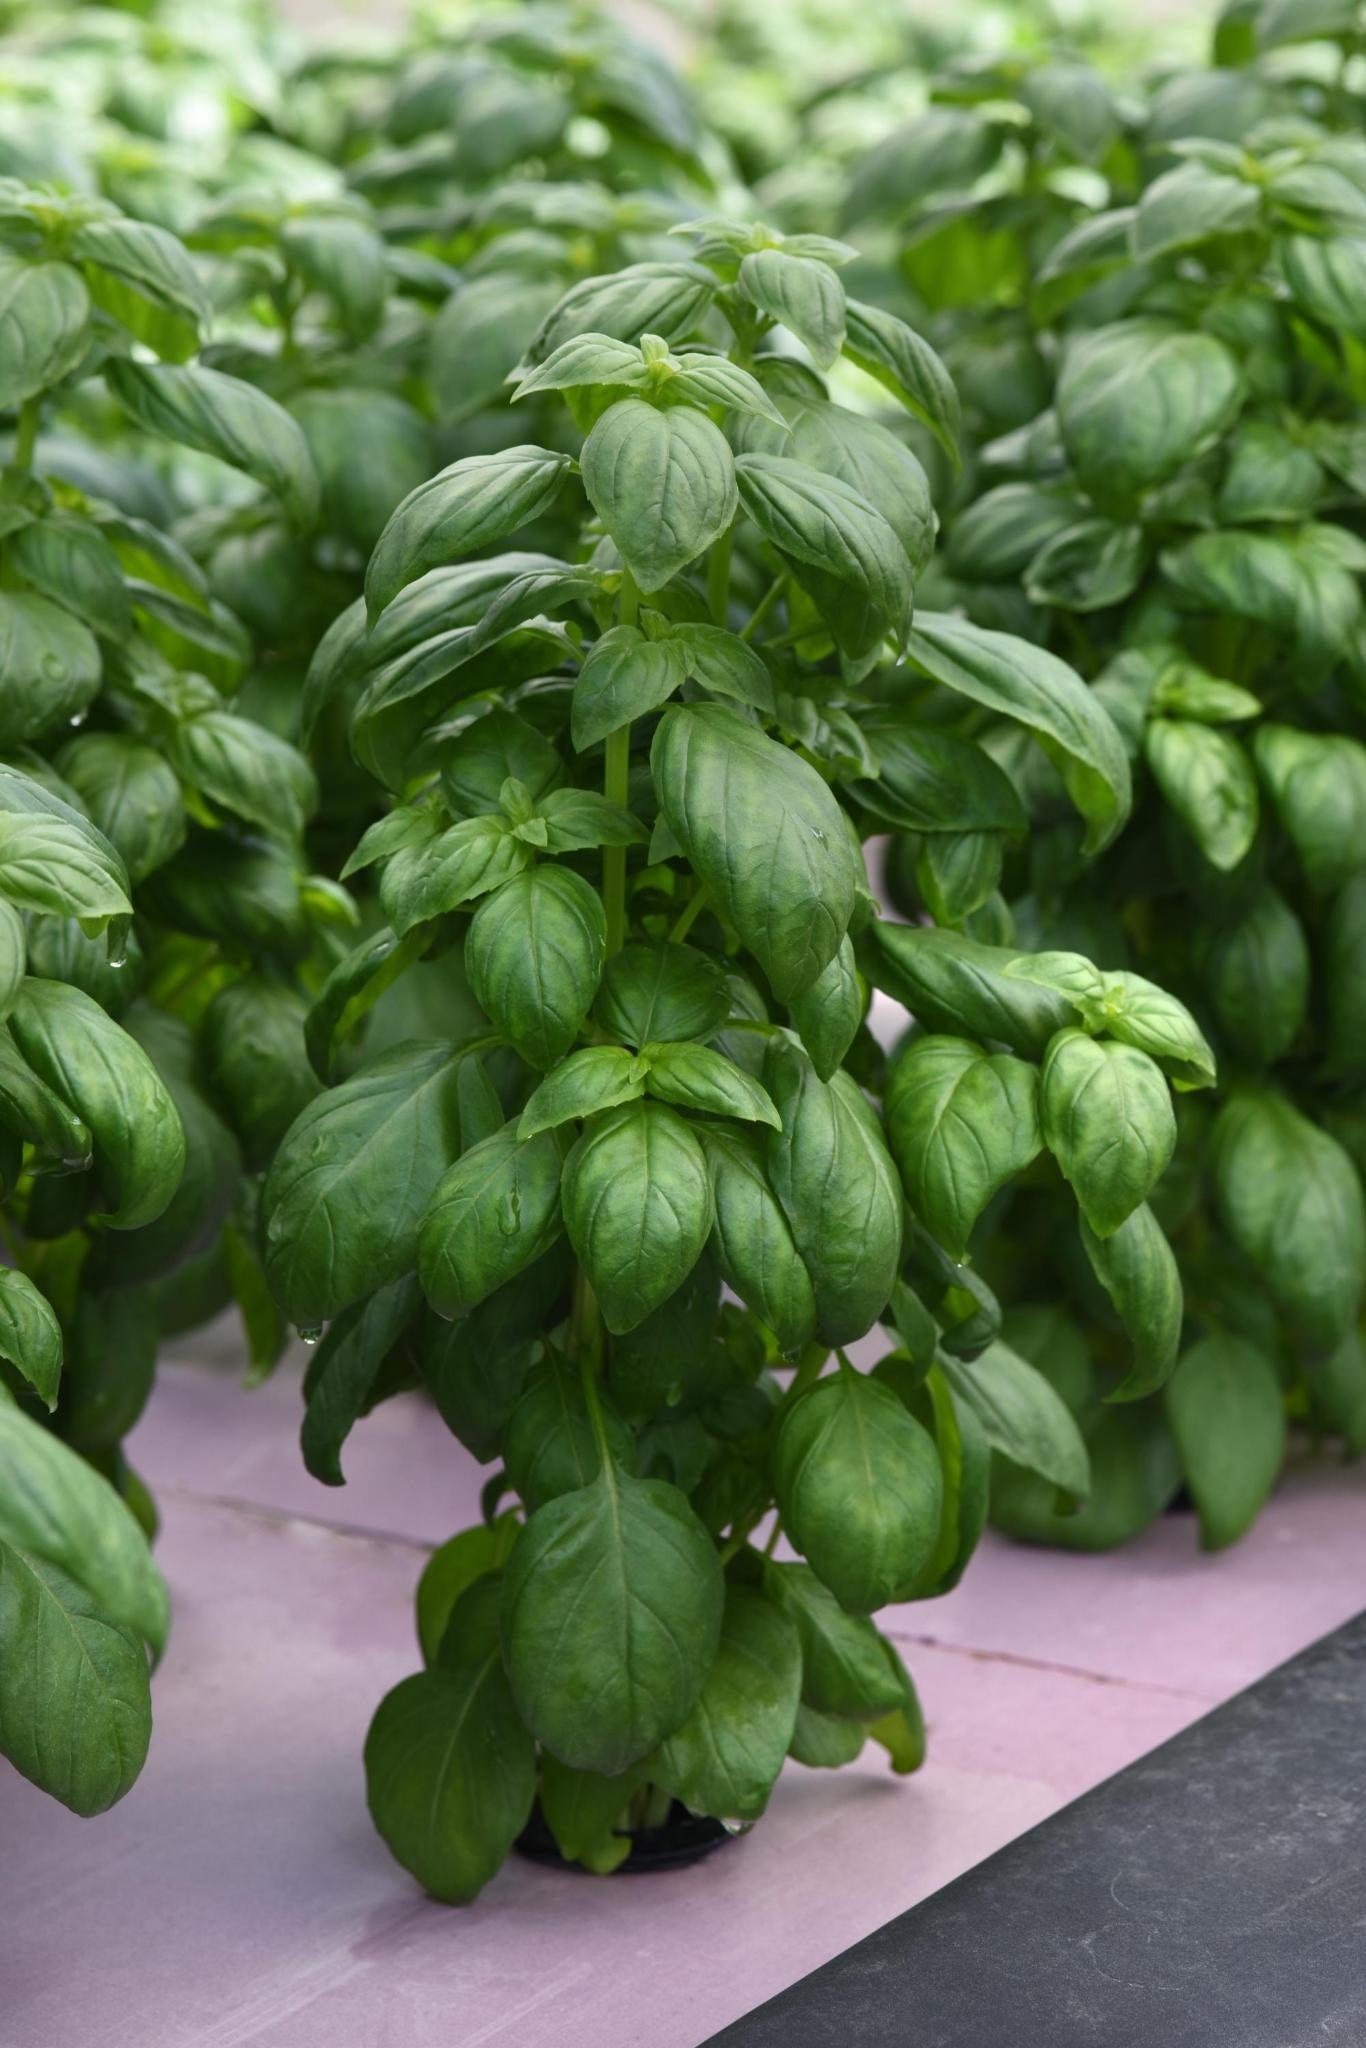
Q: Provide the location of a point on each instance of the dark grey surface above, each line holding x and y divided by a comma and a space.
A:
1212, 1895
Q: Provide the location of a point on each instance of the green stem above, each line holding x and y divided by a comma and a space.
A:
810, 1362
764, 607
718, 577
774, 1533
616, 787
585, 1332
689, 915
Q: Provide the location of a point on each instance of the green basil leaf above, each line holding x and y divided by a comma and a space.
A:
1135, 1476
1291, 1201
957, 872
1138, 400
534, 956
624, 676
961, 1124
345, 260
858, 1485
764, 833
753, 1240
637, 1205
1318, 785
371, 450
823, 1742
957, 985
131, 794
663, 484
667, 299
583, 1809
463, 508
1088, 566
1139, 1013
51, 665
908, 367
346, 1194
64, 868
143, 277
665, 991
225, 417
255, 1061
467, 860
1226, 1410
1207, 779
933, 781
450, 1770
1257, 972
452, 1567
694, 1077
13, 955
805, 297
723, 663
828, 1014
838, 1188
31, 1110
1033, 687
585, 359
1108, 1121
44, 325
596, 1077
69, 560
629, 1564
725, 1758
1269, 476
496, 1210
246, 769
1327, 277
1021, 1415
75, 1703
578, 818
106, 1079
1136, 1267
845, 1671
1345, 978
551, 1447
55, 1507
821, 520
30, 1335
343, 1371
1188, 206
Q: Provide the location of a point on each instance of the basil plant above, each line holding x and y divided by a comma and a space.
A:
152, 919
626, 1205
1177, 506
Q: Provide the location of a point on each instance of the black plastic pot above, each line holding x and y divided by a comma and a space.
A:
683, 1838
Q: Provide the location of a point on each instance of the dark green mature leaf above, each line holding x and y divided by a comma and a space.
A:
433, 875
344, 1369
845, 1670
1327, 277
355, 1173
75, 1703
1227, 1413
1257, 972
1345, 978
1108, 1121
1033, 687
255, 1061
450, 1770
697, 1077
1318, 785
461, 509
551, 1447
1138, 400
496, 1210
663, 484
828, 1014
1088, 566
30, 1335
638, 1208
933, 781
725, 1758
957, 985
1021, 1415
1137, 1268
1291, 1201
50, 663
132, 795
221, 416
534, 956
961, 1124
752, 1237
858, 1485
664, 991
764, 833
61, 866
56, 1507
246, 769
906, 364
69, 560
105, 1078
838, 1188
452, 1567
612, 1609
1207, 779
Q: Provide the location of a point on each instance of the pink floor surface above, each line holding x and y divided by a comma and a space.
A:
239, 1897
